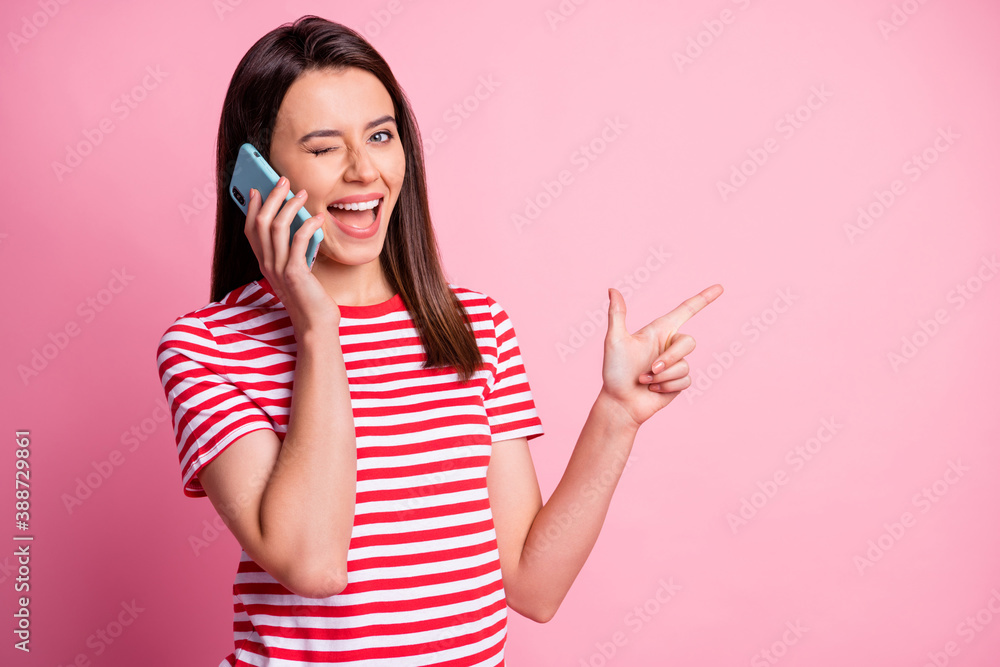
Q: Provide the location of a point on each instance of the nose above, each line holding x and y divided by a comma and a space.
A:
360, 166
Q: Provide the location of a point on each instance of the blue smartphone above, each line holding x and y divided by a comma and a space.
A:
253, 171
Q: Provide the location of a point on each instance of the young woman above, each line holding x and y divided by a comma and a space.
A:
362, 426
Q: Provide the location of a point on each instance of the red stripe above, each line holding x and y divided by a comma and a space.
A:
307, 609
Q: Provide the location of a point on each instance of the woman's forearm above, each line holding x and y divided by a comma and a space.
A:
566, 527
307, 506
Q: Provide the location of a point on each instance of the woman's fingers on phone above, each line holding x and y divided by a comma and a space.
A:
281, 229
274, 199
262, 230
264, 221
288, 216
250, 226
300, 240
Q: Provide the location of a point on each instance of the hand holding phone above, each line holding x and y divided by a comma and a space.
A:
253, 171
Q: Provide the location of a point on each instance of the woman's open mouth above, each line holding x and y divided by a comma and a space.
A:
360, 219
358, 215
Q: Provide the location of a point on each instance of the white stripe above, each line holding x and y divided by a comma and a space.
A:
429, 523
391, 595
419, 501
441, 477
377, 618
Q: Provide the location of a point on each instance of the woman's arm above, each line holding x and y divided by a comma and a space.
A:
291, 504
543, 547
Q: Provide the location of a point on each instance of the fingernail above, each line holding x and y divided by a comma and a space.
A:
281, 181
658, 366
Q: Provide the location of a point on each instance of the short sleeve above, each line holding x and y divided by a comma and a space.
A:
209, 412
510, 406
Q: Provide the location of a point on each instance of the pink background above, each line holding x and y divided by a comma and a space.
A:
135, 204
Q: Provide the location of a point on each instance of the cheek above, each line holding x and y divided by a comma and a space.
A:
396, 166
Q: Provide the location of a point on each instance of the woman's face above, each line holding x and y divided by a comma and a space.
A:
335, 136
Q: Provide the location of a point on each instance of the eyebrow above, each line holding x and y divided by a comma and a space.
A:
339, 133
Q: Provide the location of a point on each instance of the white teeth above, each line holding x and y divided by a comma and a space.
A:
358, 206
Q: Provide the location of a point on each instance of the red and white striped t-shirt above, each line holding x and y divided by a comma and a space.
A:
424, 584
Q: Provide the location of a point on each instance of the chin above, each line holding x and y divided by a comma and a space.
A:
353, 257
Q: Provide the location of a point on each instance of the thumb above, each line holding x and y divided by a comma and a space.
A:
616, 313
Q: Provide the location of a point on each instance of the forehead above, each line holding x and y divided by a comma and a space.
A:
341, 100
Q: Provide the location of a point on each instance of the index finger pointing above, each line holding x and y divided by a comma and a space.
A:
690, 307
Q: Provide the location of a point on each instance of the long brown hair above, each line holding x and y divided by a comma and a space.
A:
409, 254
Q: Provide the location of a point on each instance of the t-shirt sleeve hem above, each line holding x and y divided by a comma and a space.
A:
527, 432
193, 487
